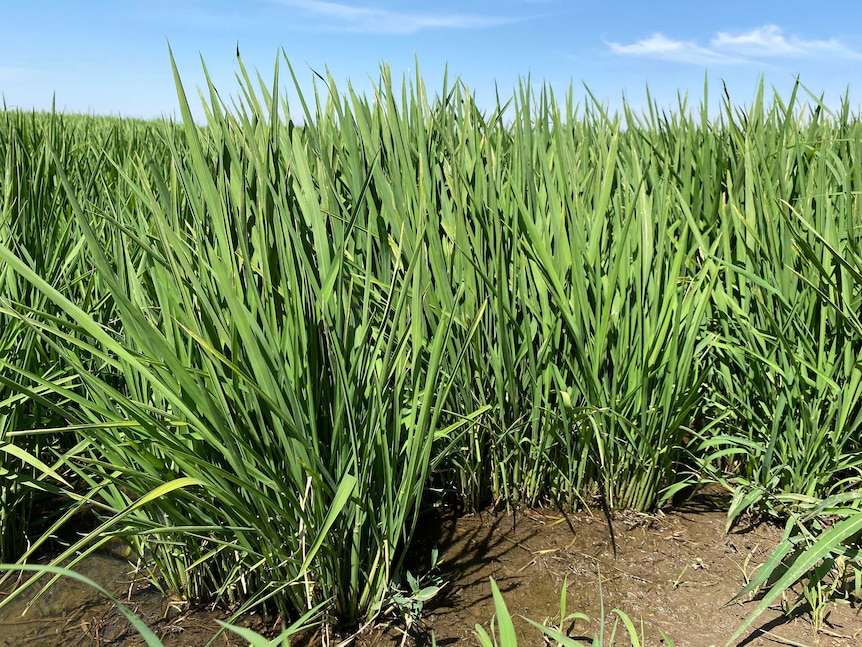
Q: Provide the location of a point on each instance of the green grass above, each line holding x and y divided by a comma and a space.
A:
256, 348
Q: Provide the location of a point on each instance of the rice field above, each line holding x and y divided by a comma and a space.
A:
258, 348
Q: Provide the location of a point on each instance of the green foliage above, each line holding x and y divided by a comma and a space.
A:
253, 353
35, 225
788, 336
502, 632
823, 563
409, 601
252, 346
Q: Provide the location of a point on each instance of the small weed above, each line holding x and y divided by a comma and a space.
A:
408, 598
502, 630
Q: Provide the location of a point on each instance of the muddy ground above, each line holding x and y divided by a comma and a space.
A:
670, 572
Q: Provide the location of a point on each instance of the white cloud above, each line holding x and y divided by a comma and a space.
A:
680, 51
347, 17
770, 41
727, 48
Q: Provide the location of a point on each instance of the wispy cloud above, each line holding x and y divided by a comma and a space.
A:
340, 16
680, 51
727, 48
770, 41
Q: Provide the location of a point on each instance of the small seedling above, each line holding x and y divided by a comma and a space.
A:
409, 601
678, 581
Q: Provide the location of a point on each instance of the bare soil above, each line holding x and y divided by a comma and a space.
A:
671, 572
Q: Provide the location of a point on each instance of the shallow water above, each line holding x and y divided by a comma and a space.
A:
72, 614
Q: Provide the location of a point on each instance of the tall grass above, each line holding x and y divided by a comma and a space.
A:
35, 225
253, 346
789, 350
281, 400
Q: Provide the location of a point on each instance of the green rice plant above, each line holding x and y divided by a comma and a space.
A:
818, 562
552, 432
24, 169
788, 355
502, 629
35, 222
502, 632
819, 554
610, 250
253, 347
255, 356
477, 244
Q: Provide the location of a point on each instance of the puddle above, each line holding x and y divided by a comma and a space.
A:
72, 614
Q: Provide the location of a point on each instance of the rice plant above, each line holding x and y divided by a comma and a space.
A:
281, 400
788, 349
35, 225
253, 347
502, 629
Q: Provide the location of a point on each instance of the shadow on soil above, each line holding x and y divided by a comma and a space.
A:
671, 572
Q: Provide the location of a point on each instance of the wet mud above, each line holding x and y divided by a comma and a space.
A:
672, 573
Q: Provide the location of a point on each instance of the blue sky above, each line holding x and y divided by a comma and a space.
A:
112, 57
